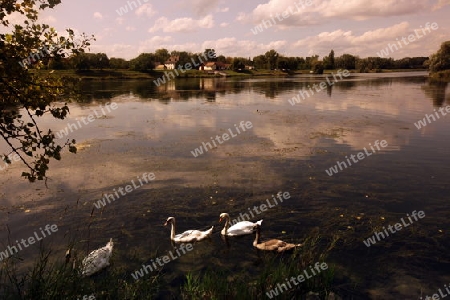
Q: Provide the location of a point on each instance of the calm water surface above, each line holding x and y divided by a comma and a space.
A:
288, 149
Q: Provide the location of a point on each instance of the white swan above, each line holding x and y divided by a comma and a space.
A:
188, 235
240, 228
272, 245
97, 260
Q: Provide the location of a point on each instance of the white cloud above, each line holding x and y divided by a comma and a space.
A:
98, 15
202, 7
230, 46
49, 20
297, 14
441, 4
369, 42
224, 24
130, 28
116, 50
156, 42
323, 11
365, 9
14, 19
182, 24
242, 16
146, 10
120, 20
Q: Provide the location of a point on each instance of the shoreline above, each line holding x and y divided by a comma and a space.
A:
111, 74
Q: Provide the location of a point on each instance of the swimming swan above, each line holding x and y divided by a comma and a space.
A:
240, 228
188, 235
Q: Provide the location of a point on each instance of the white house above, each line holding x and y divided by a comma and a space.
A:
171, 63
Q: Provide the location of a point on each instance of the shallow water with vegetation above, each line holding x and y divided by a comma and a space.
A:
287, 149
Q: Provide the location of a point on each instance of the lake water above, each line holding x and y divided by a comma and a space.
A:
288, 148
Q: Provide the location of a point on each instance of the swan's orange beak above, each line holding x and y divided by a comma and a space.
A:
166, 223
220, 220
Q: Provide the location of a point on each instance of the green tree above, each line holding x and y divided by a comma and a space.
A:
83, 61
301, 63
101, 61
272, 59
362, 65
238, 64
260, 62
283, 63
317, 67
25, 95
309, 61
440, 61
58, 63
118, 63
184, 58
161, 55
222, 59
328, 61
345, 61
331, 62
418, 61
143, 63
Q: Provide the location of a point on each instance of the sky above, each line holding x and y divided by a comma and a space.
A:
126, 28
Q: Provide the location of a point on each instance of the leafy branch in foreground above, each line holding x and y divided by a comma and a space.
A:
27, 94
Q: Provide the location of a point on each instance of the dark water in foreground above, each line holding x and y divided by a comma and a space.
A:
288, 149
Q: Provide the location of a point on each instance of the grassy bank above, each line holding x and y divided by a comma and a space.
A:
96, 74
441, 76
154, 74
55, 279
277, 277
109, 74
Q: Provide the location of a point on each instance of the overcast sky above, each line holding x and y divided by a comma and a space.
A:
359, 27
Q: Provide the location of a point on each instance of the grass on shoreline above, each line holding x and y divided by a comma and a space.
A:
441, 76
274, 270
56, 280
108, 74
52, 279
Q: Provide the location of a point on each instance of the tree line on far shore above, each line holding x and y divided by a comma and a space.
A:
271, 60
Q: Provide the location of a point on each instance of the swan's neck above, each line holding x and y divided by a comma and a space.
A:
172, 230
227, 224
256, 241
